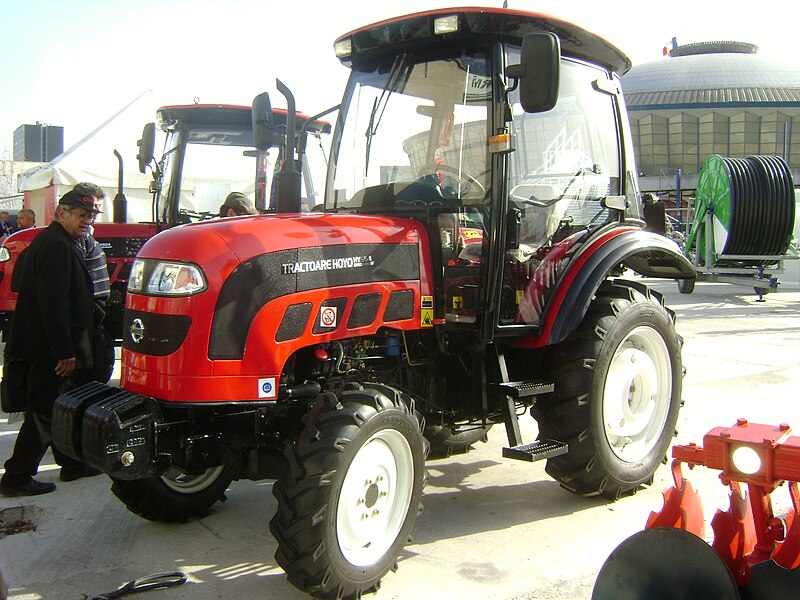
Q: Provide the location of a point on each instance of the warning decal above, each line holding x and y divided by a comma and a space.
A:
426, 318
426, 314
327, 316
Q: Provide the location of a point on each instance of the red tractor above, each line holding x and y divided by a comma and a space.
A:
481, 207
207, 154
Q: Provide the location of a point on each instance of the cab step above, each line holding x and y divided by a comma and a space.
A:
536, 451
523, 389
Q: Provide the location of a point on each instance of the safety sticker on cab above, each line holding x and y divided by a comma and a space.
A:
426, 312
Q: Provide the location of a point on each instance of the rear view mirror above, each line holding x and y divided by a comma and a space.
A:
538, 72
146, 146
262, 122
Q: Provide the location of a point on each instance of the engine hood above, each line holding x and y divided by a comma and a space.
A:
273, 283
240, 239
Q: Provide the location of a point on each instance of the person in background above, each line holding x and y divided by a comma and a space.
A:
5, 227
237, 205
52, 330
26, 219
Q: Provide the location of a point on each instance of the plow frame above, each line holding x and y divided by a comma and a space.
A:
761, 457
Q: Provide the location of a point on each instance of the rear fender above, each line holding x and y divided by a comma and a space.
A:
646, 253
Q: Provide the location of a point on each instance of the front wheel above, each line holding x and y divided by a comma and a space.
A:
175, 496
351, 494
618, 381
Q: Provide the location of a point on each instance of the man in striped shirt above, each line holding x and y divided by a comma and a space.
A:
95, 259
93, 254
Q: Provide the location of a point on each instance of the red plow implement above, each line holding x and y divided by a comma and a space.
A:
754, 554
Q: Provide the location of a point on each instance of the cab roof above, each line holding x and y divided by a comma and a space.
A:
405, 32
226, 115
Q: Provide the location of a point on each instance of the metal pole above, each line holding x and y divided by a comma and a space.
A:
786, 142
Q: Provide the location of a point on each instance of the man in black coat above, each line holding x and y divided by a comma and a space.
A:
52, 331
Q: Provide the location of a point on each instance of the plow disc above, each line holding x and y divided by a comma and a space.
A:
664, 563
770, 582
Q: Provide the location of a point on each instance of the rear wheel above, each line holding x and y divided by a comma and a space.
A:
618, 381
351, 493
175, 496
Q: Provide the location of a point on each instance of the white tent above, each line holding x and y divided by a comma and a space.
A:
92, 159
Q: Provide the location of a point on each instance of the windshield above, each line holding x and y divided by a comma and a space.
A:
202, 172
415, 134
210, 171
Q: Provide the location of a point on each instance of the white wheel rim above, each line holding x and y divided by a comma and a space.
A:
181, 482
375, 497
637, 394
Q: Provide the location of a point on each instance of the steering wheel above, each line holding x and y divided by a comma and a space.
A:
188, 216
469, 182
522, 191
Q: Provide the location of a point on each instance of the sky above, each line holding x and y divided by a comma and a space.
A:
77, 63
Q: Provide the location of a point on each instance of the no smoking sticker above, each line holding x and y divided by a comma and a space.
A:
328, 316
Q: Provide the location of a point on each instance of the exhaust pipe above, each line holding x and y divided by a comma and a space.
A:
120, 202
288, 200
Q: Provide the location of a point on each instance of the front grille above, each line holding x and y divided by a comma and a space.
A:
121, 247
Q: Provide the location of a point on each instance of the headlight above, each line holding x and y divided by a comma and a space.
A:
746, 460
5, 255
444, 25
136, 278
165, 278
343, 47
175, 279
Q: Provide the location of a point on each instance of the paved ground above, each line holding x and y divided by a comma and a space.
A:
492, 528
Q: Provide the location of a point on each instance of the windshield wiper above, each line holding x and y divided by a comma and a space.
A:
392, 81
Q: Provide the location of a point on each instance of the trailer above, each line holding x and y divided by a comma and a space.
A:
741, 233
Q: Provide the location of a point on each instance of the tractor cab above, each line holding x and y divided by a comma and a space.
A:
209, 153
509, 147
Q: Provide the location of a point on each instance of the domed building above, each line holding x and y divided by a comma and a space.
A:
710, 98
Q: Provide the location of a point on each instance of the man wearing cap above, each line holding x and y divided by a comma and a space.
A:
237, 205
52, 330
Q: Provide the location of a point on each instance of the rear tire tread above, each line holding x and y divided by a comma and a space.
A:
567, 414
